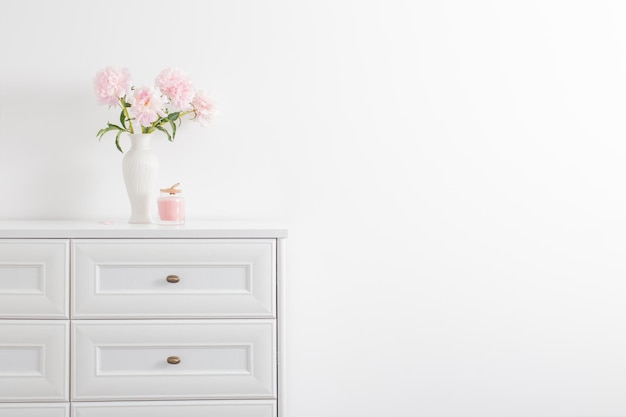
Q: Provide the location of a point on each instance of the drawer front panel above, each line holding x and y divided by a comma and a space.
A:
191, 278
34, 278
34, 360
34, 410
249, 408
159, 359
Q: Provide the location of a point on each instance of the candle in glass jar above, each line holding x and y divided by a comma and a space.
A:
171, 206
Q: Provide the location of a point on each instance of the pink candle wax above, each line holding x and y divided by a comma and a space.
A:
171, 206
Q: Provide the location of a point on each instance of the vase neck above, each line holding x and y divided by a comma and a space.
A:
140, 140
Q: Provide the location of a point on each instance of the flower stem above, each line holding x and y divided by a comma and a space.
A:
125, 110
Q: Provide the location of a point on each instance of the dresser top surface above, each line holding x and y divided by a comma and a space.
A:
50, 229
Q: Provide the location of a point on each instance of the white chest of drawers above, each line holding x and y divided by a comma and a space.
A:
103, 320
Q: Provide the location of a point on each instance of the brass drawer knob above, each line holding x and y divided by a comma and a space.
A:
173, 279
173, 360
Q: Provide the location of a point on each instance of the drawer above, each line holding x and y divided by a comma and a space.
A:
248, 408
34, 359
134, 359
184, 278
35, 410
34, 278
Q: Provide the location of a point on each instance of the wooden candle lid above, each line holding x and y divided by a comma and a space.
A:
172, 190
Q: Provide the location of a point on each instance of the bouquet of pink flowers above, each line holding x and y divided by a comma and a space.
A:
148, 109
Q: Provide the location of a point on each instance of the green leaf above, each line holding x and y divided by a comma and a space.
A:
101, 132
173, 116
162, 129
117, 141
123, 119
173, 129
115, 126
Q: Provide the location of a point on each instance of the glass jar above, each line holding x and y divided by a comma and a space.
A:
171, 206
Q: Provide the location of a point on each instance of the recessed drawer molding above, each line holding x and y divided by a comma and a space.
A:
192, 359
34, 278
34, 358
35, 410
174, 279
201, 359
248, 408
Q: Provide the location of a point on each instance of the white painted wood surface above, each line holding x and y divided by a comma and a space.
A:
121, 229
127, 359
34, 280
35, 410
217, 278
248, 408
281, 285
114, 310
34, 360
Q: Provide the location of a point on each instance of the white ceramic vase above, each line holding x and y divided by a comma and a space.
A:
140, 168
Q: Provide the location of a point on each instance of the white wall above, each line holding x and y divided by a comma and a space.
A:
451, 172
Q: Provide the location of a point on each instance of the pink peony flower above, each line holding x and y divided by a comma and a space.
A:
176, 86
111, 84
203, 107
146, 105
145, 109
